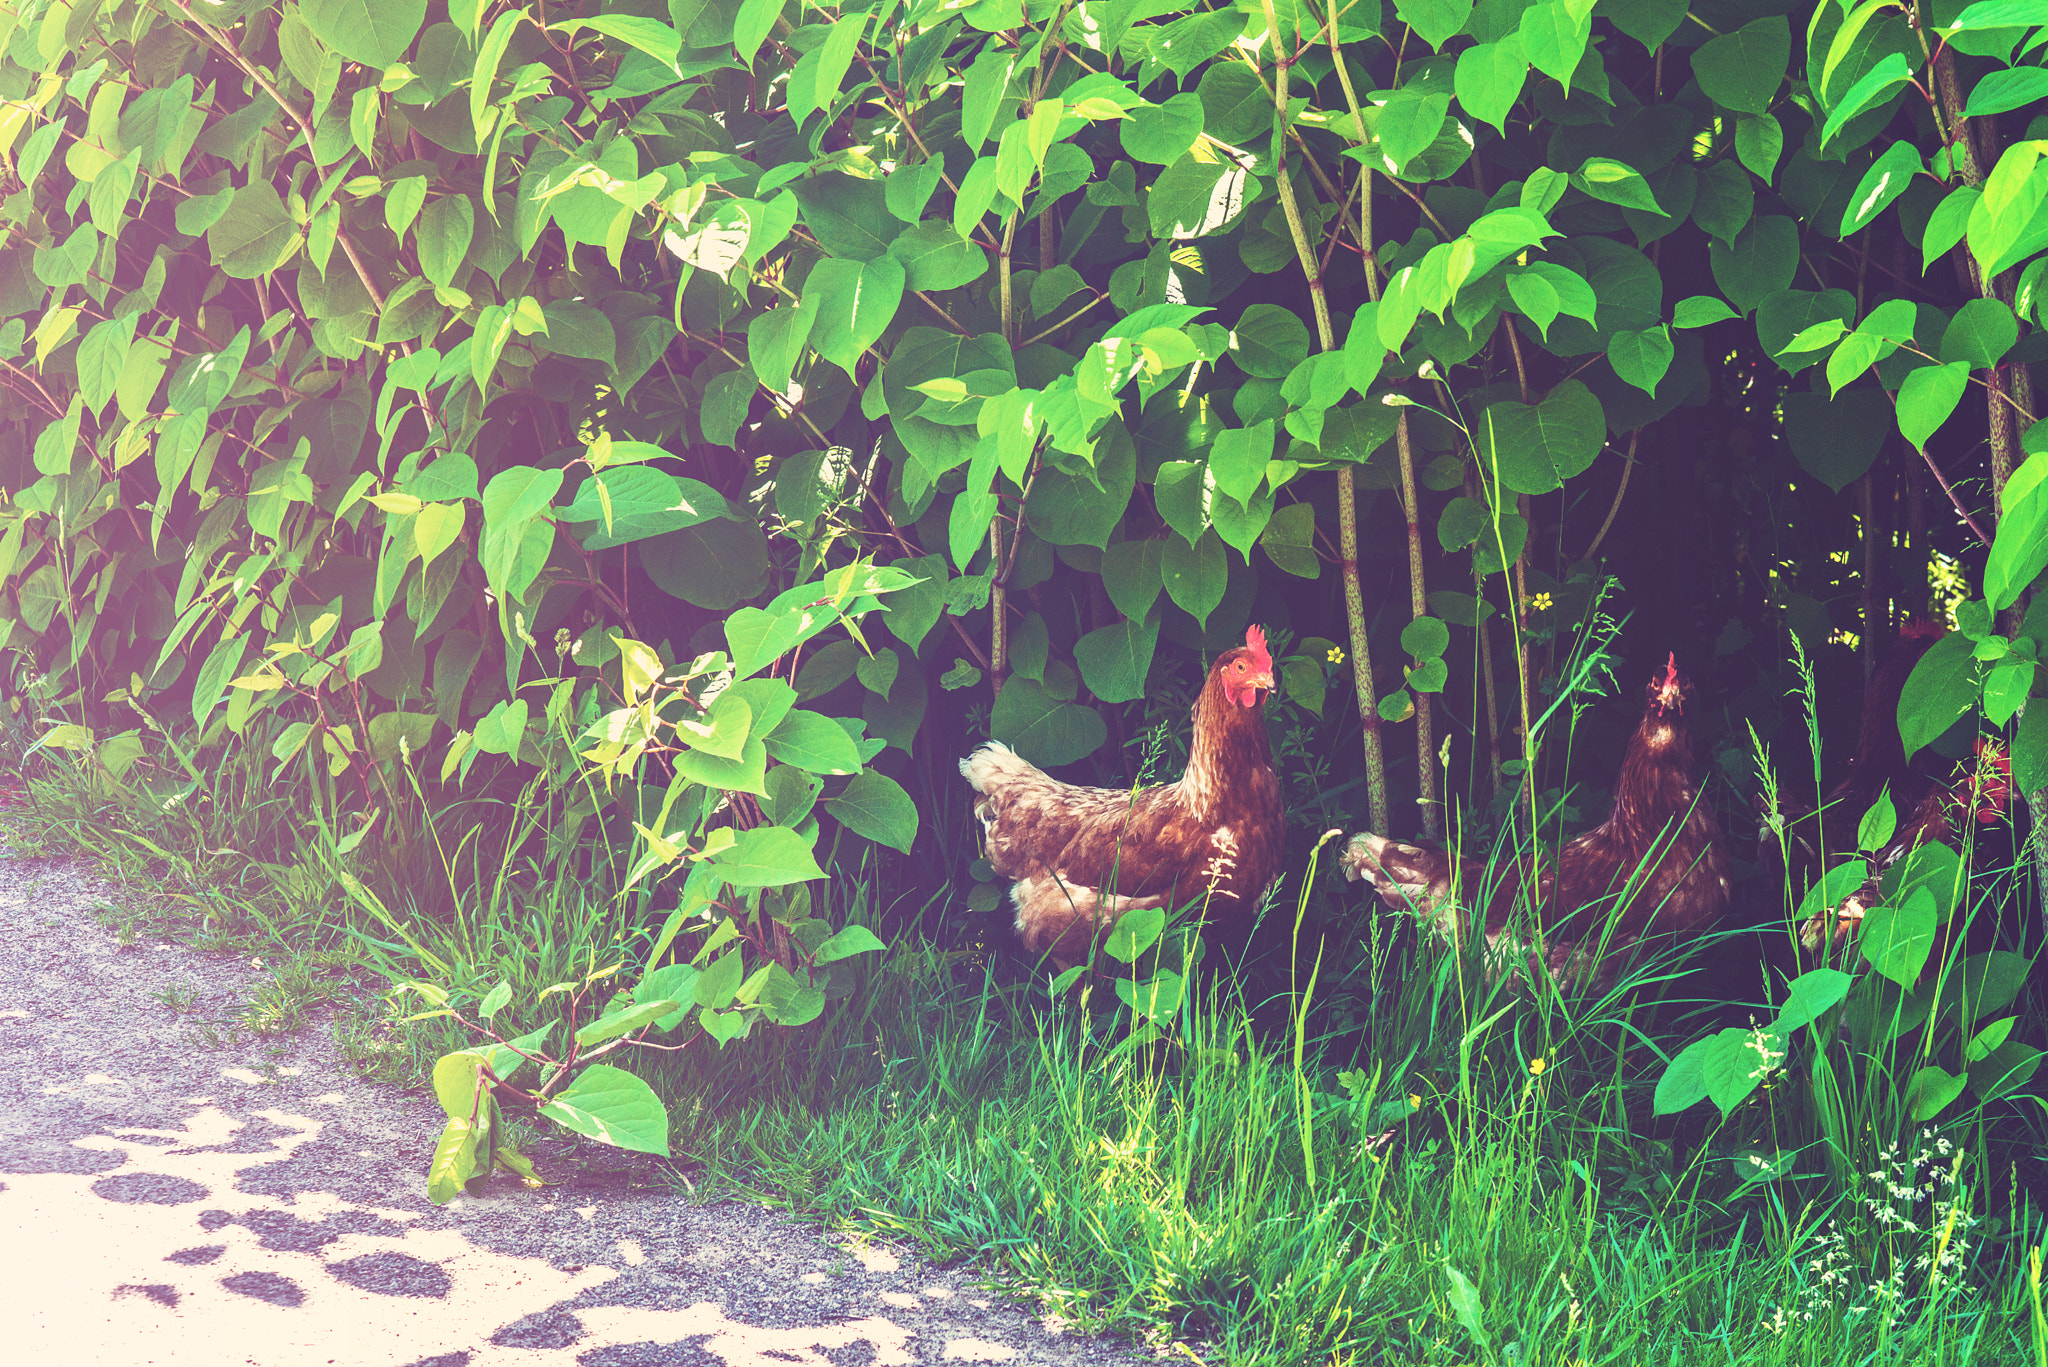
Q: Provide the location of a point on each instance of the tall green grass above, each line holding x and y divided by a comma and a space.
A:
1388, 1156
1183, 1191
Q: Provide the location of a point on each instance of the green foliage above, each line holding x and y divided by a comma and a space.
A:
566, 394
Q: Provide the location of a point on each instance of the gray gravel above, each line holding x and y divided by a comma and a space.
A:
167, 1198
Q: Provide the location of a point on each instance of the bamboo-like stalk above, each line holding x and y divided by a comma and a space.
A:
1418, 606
2009, 389
1371, 742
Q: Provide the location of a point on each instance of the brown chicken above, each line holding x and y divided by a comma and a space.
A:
1654, 868
1930, 805
1082, 857
1877, 766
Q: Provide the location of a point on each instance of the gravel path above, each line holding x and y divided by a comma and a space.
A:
166, 1199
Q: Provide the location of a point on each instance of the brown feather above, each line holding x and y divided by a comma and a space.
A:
1081, 857
1655, 867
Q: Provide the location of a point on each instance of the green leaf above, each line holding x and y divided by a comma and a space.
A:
1811, 995
1743, 70
1759, 263
847, 942
1684, 1083
776, 339
2019, 548
1889, 73
2010, 221
1269, 341
1701, 310
612, 1106
2007, 687
1641, 358
1554, 34
752, 25
625, 1021
813, 742
1758, 143
494, 1001
640, 502
722, 730
857, 300
1161, 134
222, 663
2004, 90
1537, 448
2005, 1070
1195, 198
815, 81
1980, 334
1617, 183
1724, 200
501, 729
1289, 541
442, 238
1410, 121
2030, 751
255, 234
1136, 931
1115, 660
766, 857
1928, 396
1943, 685
1930, 1092
1884, 182
373, 32
519, 494
1836, 440
1987, 1041
1434, 20
1986, 985
1131, 575
1896, 940
1041, 728
102, 356
455, 1160
1489, 79
650, 36
1238, 458
1196, 575
935, 257
1188, 42
875, 805
1425, 638
1874, 830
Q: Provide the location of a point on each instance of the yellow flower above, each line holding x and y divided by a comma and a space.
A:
1414, 1101
1541, 603
1537, 1065
1336, 656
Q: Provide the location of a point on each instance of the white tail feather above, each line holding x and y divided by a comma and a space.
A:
995, 764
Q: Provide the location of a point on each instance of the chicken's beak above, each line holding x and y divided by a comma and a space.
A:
1256, 688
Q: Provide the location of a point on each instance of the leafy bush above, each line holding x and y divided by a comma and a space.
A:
554, 390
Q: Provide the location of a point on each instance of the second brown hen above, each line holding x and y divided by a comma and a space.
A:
1655, 868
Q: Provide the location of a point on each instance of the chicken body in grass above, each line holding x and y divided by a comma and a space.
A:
1935, 803
1082, 857
1655, 868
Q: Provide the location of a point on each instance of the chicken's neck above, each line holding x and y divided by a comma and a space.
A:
1229, 745
1656, 780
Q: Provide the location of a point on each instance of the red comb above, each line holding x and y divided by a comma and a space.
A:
1924, 628
1670, 676
1255, 641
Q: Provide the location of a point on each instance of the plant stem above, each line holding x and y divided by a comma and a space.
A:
1347, 483
1418, 607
